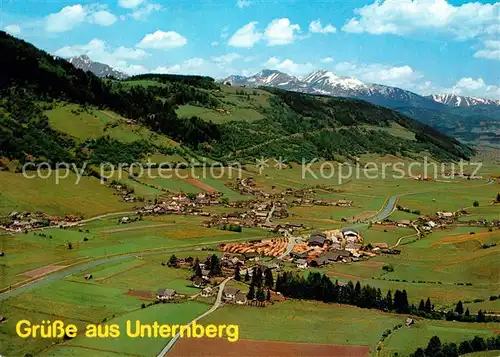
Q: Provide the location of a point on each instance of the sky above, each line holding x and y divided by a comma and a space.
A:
426, 46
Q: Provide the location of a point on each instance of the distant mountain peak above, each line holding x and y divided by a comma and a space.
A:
102, 70
324, 82
456, 100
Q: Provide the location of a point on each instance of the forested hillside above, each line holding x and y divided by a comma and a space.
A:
288, 124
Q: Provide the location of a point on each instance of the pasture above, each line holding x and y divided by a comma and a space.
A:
406, 340
307, 322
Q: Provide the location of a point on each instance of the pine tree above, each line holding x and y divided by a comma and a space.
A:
459, 309
172, 262
278, 283
428, 305
421, 306
215, 268
237, 276
251, 292
195, 263
404, 300
467, 313
268, 296
481, 317
260, 295
434, 347
247, 276
197, 270
388, 301
269, 281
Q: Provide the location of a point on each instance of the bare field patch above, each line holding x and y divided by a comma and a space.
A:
43, 270
222, 348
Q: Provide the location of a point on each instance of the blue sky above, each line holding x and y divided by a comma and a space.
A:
427, 46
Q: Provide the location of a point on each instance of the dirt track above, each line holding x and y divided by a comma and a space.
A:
206, 347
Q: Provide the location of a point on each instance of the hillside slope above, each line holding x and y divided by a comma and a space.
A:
293, 125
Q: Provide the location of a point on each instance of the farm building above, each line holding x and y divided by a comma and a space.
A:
320, 261
316, 239
198, 282
208, 291
240, 298
349, 233
301, 263
230, 293
165, 294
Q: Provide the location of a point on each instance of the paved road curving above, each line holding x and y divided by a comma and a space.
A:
218, 302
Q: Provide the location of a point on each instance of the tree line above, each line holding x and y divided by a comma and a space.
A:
320, 287
437, 349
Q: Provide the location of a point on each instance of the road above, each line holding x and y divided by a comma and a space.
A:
291, 243
216, 305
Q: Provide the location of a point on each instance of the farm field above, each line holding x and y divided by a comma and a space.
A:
348, 321
407, 340
254, 348
88, 198
92, 123
163, 313
106, 237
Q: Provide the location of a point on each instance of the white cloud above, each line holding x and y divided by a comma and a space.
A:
280, 32
13, 29
191, 66
142, 13
247, 36
72, 16
397, 76
327, 60
103, 18
161, 40
315, 27
491, 50
214, 43
227, 58
400, 17
66, 19
475, 88
129, 4
99, 51
289, 66
243, 3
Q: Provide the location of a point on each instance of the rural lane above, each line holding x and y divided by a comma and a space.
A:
215, 306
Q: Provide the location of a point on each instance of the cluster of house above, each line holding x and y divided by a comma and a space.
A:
234, 295
124, 191
327, 247
258, 214
315, 202
183, 204
247, 186
24, 221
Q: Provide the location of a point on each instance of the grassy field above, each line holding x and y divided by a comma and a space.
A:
308, 321
433, 266
88, 198
407, 340
163, 313
83, 124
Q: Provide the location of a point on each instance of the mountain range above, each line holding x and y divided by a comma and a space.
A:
456, 100
101, 70
328, 83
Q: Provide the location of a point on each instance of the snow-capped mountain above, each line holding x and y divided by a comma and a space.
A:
265, 77
99, 69
328, 83
455, 100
